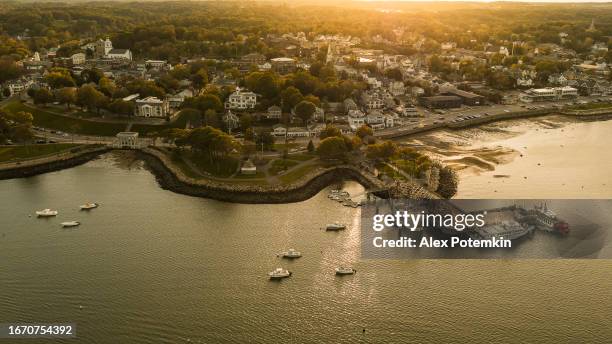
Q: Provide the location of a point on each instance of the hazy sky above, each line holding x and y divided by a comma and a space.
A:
575, 1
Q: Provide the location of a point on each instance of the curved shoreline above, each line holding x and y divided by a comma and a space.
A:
174, 180
36, 166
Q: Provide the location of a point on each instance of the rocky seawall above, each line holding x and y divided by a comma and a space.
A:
54, 163
171, 178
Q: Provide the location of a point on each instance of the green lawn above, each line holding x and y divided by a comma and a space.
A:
145, 129
302, 156
279, 165
32, 151
221, 168
50, 120
297, 173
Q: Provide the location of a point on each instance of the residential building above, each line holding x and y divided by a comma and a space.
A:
283, 65
152, 107
356, 119
279, 130
372, 100
241, 100
78, 58
177, 100
274, 112
397, 88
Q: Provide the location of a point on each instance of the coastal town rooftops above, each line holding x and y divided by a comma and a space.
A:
150, 100
441, 98
282, 59
131, 97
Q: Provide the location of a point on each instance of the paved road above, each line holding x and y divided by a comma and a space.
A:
430, 118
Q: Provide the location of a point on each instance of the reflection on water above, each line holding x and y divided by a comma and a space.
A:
555, 157
152, 266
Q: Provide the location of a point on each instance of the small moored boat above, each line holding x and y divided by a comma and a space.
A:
279, 273
88, 206
70, 224
46, 213
336, 226
291, 253
345, 271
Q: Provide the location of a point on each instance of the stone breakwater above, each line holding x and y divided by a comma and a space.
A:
34, 167
172, 178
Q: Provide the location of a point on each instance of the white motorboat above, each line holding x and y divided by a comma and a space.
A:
88, 206
70, 224
336, 226
345, 271
291, 253
46, 213
279, 273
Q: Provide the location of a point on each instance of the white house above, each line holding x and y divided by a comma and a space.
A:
178, 99
240, 100
397, 88
356, 119
279, 130
78, 58
151, 107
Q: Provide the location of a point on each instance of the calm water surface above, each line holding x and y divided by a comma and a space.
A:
152, 266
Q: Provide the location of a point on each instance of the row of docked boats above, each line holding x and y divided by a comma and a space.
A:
52, 213
343, 197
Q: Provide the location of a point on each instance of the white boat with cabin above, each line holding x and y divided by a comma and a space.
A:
279, 273
291, 253
46, 213
336, 226
342, 270
88, 206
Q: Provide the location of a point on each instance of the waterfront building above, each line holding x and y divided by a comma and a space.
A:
467, 98
441, 102
548, 94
